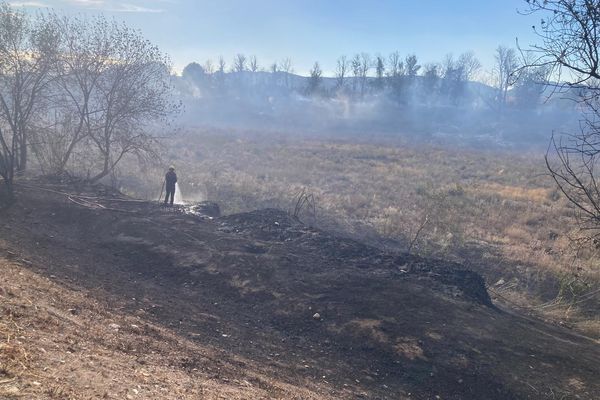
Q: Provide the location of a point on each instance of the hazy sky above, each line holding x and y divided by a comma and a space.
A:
315, 30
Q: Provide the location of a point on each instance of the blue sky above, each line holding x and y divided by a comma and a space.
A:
314, 30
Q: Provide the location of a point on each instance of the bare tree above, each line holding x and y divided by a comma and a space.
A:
505, 73
286, 67
113, 91
135, 98
395, 65
314, 81
27, 52
355, 65
448, 63
469, 65
209, 70
530, 86
219, 77
209, 67
570, 39
379, 72
456, 75
365, 66
341, 71
253, 64
96, 88
239, 63
569, 32
431, 79
77, 71
274, 69
395, 73
452, 75
412, 65
405, 80
222, 65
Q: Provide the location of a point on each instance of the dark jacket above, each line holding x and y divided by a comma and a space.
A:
170, 179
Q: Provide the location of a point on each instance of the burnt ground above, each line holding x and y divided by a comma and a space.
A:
172, 305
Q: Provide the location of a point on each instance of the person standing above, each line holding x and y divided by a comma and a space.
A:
170, 181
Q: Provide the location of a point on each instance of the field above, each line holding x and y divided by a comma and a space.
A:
497, 212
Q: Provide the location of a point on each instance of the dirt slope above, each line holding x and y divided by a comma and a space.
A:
136, 301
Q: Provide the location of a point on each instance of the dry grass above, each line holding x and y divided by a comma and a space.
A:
496, 212
57, 343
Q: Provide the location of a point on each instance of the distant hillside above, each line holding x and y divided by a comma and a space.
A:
425, 110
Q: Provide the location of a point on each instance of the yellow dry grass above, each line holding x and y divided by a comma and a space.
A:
537, 195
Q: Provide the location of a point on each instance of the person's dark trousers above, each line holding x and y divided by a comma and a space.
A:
170, 192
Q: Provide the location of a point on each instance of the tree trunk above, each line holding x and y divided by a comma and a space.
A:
105, 171
99, 176
22, 164
6, 192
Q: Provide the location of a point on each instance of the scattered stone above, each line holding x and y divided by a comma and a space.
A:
114, 326
316, 316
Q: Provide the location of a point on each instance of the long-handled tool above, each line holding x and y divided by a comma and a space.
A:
161, 191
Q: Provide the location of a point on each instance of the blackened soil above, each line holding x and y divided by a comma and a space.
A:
389, 325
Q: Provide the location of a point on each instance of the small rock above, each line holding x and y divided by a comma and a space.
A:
114, 326
317, 316
500, 282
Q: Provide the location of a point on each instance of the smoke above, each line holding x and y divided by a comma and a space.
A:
260, 101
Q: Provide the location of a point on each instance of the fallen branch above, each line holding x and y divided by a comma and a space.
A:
412, 242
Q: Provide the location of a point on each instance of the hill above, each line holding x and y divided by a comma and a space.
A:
412, 107
109, 297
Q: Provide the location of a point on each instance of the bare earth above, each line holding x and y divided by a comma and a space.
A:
134, 301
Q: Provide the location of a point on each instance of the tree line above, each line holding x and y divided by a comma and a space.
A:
77, 94
403, 78
566, 59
